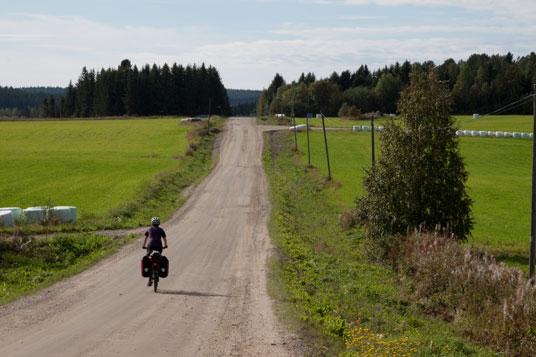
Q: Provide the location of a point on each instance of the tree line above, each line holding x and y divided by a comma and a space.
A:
24, 102
480, 84
150, 90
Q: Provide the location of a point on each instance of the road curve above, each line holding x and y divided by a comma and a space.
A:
214, 301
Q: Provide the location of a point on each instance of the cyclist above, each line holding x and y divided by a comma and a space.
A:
153, 240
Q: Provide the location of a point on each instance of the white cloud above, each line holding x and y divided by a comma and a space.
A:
362, 17
518, 9
51, 50
258, 61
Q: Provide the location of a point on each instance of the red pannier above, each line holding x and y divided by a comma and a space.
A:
163, 267
146, 267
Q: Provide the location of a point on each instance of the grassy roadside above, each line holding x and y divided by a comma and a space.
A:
27, 266
322, 280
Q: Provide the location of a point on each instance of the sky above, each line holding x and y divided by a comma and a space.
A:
46, 43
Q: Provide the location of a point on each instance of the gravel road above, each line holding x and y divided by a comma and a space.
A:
214, 302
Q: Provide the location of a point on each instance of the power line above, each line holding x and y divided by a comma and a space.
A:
510, 106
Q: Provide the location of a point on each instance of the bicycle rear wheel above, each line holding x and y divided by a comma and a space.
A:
155, 280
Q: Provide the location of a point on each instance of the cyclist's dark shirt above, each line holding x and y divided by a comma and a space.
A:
155, 235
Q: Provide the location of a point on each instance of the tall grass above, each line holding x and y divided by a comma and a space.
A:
491, 303
27, 266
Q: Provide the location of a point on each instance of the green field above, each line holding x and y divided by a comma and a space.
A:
499, 181
520, 123
94, 165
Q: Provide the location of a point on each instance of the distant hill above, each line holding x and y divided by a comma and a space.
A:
27, 97
242, 96
55, 91
15, 102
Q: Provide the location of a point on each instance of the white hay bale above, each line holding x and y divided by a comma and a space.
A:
475, 116
507, 134
516, 135
35, 214
6, 219
499, 134
319, 116
483, 133
16, 211
491, 133
475, 133
525, 136
66, 214
459, 132
467, 132
300, 127
531, 135
356, 128
380, 128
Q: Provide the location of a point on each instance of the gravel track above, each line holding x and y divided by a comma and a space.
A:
214, 302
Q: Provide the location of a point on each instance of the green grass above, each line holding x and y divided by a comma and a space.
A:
520, 123
323, 280
45, 261
93, 165
499, 182
500, 185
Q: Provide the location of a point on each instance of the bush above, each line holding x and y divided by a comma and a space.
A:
419, 179
493, 304
343, 110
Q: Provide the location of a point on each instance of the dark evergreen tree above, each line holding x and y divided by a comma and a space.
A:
43, 110
52, 111
132, 93
69, 102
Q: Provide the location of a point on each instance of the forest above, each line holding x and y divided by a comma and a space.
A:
24, 102
150, 90
481, 84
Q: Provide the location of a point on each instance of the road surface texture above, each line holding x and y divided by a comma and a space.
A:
214, 302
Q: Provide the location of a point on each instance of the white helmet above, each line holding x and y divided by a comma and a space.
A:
155, 221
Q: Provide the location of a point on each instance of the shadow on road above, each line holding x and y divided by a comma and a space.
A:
189, 293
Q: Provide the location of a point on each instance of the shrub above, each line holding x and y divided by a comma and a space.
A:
494, 304
343, 110
419, 179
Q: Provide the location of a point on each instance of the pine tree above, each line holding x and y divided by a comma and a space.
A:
69, 103
43, 110
131, 99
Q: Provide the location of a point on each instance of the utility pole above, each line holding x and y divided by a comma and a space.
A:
533, 196
308, 147
326, 145
208, 119
372, 137
294, 123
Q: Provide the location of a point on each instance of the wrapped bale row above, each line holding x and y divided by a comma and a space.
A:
497, 134
366, 128
10, 215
